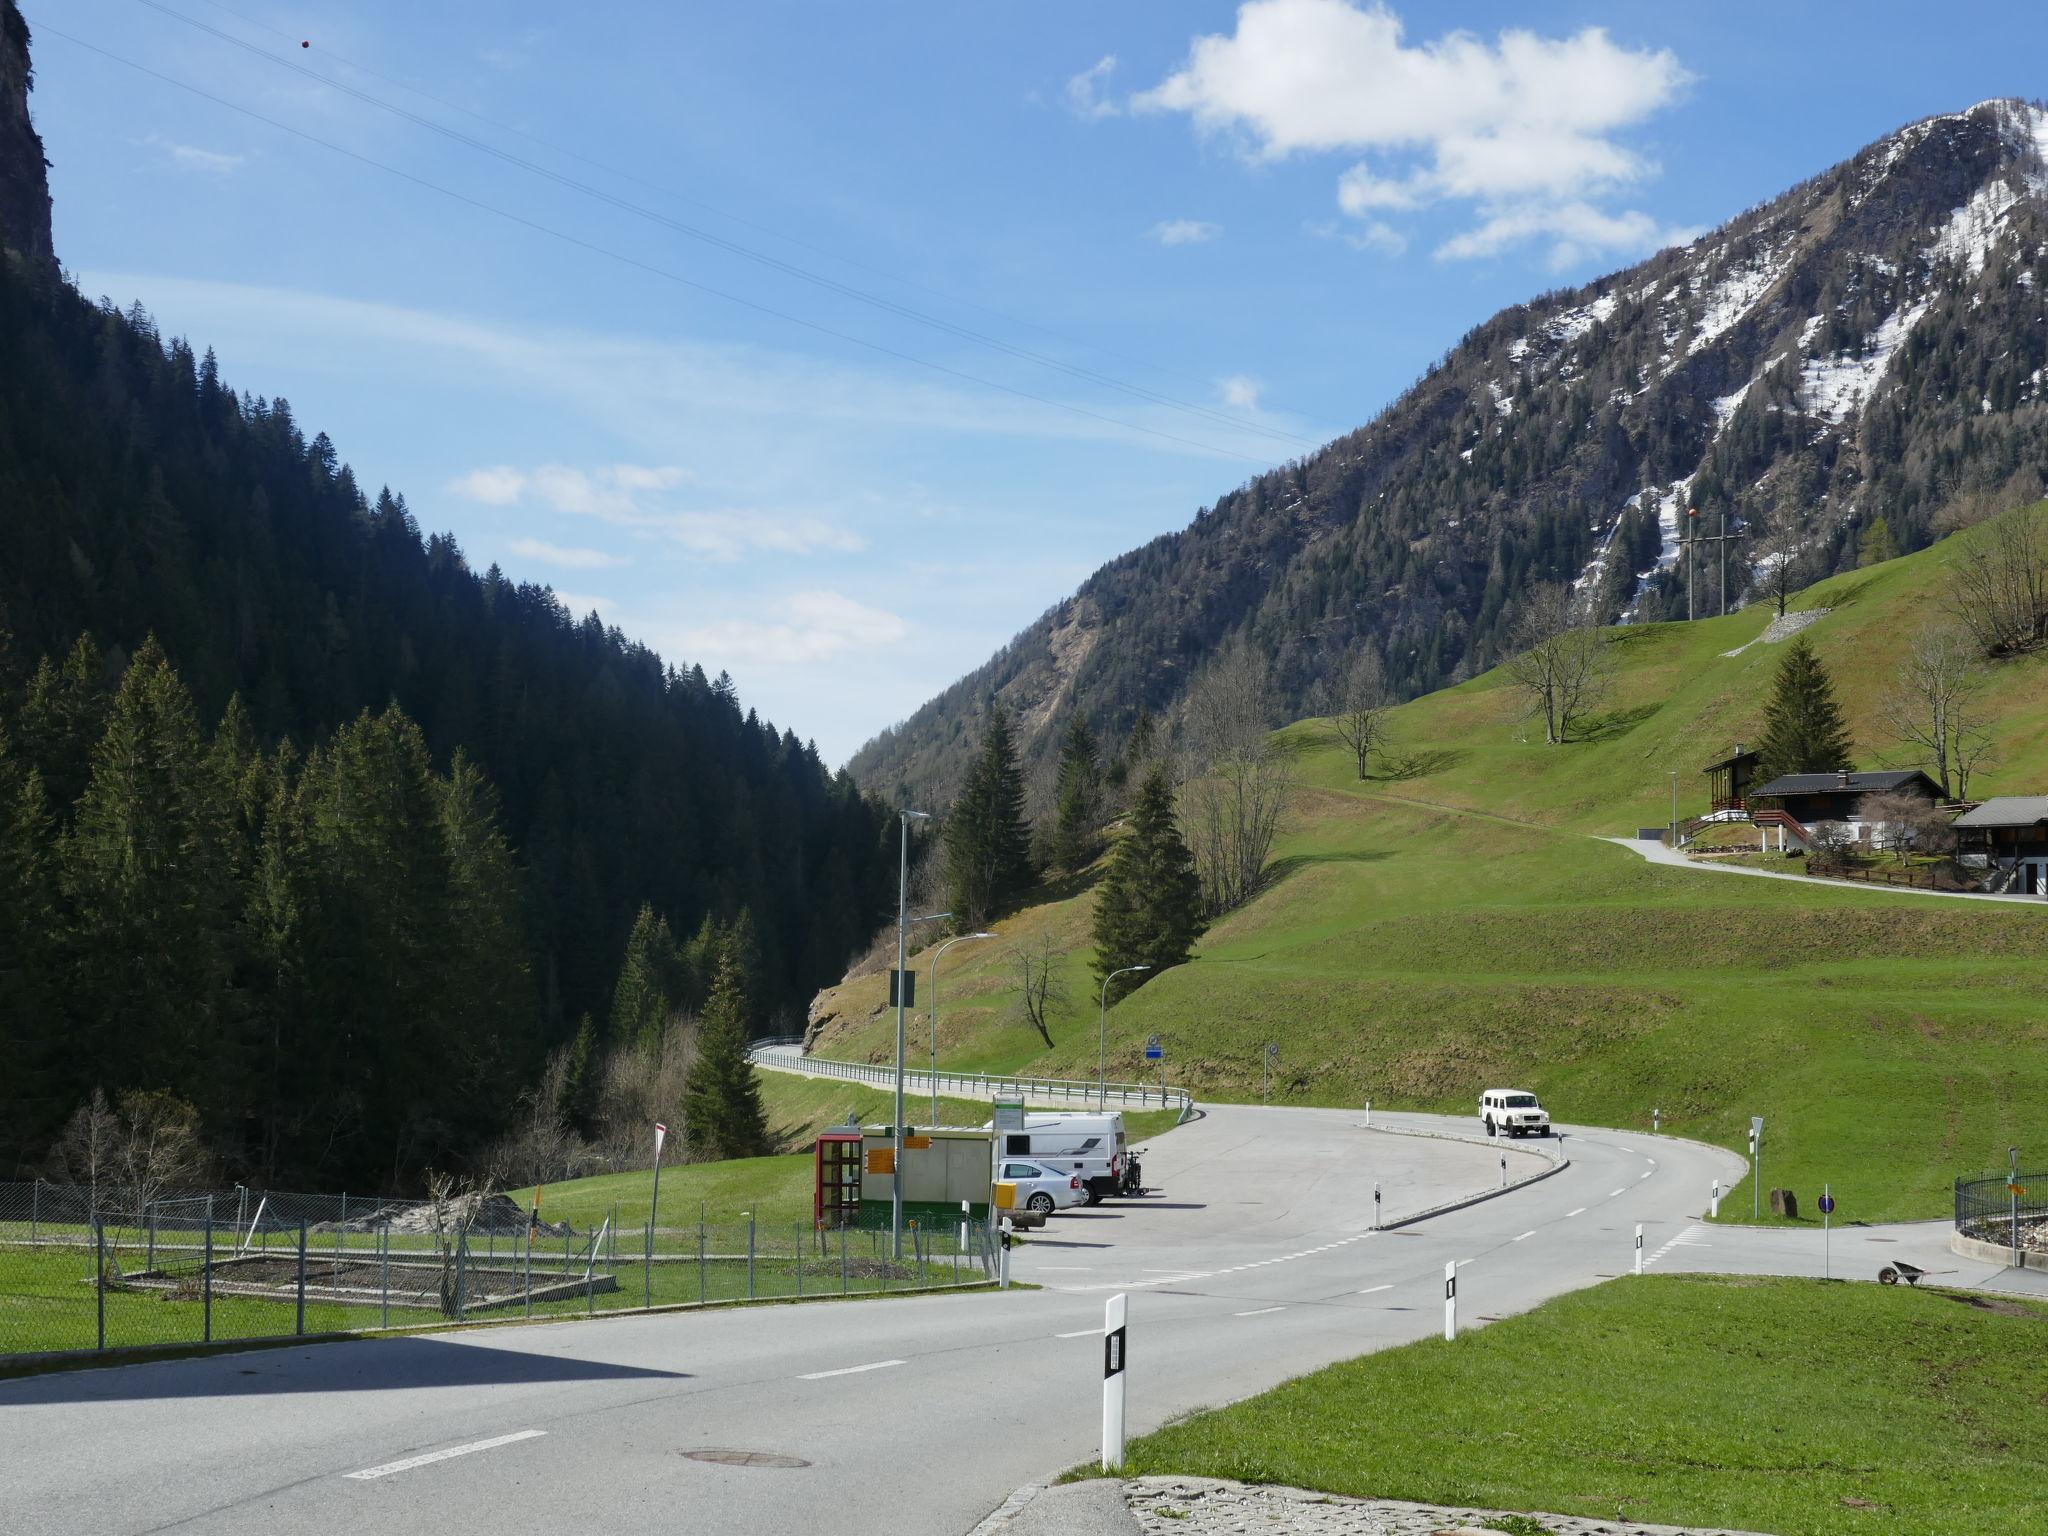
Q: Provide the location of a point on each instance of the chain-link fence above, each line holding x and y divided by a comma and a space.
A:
2009, 1209
79, 1272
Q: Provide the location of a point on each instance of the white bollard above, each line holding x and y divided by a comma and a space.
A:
1451, 1300
1639, 1247
963, 1226
1368, 1111
1714, 1209
1114, 1357
1003, 1258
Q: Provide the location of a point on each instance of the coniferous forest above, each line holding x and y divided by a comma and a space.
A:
312, 824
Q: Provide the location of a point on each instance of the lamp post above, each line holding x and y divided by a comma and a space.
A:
1102, 1040
896, 1128
932, 1074
1674, 807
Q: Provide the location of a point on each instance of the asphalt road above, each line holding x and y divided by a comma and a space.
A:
1255, 1262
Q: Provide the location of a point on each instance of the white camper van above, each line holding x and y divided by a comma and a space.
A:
1088, 1146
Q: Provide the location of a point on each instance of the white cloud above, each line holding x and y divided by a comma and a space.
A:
1522, 127
1084, 96
1240, 392
631, 496
494, 487
568, 559
1184, 232
1375, 235
192, 158
807, 627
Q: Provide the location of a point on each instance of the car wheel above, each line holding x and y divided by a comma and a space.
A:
1489, 1128
1094, 1197
1041, 1203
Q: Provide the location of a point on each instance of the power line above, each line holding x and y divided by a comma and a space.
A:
723, 213
644, 266
746, 252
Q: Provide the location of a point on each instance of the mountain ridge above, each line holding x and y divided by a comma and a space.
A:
1867, 344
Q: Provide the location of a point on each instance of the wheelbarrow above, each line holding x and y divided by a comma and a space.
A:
1912, 1274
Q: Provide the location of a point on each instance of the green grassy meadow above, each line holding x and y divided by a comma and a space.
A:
1789, 1406
1455, 923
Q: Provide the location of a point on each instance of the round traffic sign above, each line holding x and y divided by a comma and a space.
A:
1827, 1205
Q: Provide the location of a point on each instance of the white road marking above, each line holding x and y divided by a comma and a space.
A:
851, 1370
1258, 1312
1081, 1333
1374, 1290
1518, 1239
1644, 1174
1579, 1212
429, 1457
1614, 1192
1050, 1268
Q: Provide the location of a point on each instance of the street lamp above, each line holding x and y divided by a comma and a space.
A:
1102, 1038
896, 1128
932, 1076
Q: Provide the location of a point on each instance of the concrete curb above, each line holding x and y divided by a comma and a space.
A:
1007, 1511
1467, 1200
1994, 1253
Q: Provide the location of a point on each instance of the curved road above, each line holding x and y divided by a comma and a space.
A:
1254, 1263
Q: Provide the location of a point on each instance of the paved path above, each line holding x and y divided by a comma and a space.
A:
1255, 1262
1658, 853
1057, 1093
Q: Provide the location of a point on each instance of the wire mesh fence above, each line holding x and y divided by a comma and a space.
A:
81, 1270
2009, 1209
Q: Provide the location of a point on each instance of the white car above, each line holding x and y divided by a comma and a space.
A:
1512, 1112
1040, 1188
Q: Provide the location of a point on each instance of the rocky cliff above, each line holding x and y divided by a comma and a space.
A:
24, 173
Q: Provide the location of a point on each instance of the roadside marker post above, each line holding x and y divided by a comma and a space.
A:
1639, 1247
1827, 1211
963, 1226
1375, 1207
1451, 1300
1756, 1166
1503, 1173
1368, 1111
2012, 1190
1115, 1356
1714, 1207
1656, 1120
1003, 1259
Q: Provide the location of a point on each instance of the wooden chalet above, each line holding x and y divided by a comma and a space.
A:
2008, 834
1729, 780
1816, 799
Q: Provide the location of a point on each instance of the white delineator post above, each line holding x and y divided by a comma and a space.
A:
1115, 1355
963, 1226
1639, 1247
1368, 1111
1451, 1300
1714, 1207
1003, 1257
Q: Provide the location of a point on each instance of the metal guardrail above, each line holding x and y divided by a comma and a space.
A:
1078, 1092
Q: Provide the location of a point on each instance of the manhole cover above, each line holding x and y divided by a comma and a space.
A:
747, 1458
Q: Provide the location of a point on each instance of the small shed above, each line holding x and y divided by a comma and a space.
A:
2008, 832
1816, 798
1729, 780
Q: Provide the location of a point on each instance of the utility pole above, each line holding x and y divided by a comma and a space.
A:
901, 987
1691, 542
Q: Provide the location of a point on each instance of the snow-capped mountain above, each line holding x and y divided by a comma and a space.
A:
1870, 344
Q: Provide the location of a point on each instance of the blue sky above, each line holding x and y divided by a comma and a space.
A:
1261, 221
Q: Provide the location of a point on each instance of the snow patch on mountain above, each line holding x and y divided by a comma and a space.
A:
1832, 387
1738, 293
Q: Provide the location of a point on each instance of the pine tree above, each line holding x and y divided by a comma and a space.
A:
1876, 544
484, 972
1803, 727
1148, 910
30, 1038
722, 1112
1077, 800
988, 843
62, 721
653, 982
145, 875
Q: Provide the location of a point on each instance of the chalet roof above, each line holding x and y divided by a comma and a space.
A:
1857, 783
1734, 759
2007, 811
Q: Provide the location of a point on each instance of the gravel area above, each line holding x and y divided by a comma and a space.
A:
1207, 1506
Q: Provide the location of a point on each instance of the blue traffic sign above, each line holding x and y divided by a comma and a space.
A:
1154, 1053
1827, 1205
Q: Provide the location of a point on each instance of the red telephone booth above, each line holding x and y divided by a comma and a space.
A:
835, 1197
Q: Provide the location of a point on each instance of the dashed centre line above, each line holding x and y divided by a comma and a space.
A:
1374, 1290
1530, 1233
1081, 1333
1612, 1193
428, 1458
1258, 1312
850, 1370
1579, 1212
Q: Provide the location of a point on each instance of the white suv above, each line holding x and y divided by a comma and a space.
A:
1512, 1112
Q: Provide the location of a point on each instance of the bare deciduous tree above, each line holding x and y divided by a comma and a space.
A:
640, 1084
1359, 705
1933, 705
1998, 584
132, 1153
1235, 778
543, 1147
1905, 822
1042, 992
1561, 663
1782, 570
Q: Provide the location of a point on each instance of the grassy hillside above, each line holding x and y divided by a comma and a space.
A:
1455, 925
